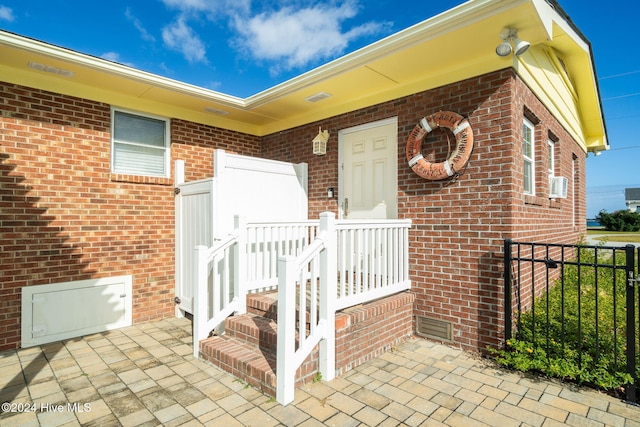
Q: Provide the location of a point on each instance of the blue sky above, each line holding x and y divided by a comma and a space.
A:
241, 47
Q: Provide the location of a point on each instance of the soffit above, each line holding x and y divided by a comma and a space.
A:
452, 46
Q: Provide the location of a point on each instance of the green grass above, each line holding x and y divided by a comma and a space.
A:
614, 236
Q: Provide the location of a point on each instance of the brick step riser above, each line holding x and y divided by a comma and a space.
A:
256, 304
247, 364
254, 359
251, 366
257, 332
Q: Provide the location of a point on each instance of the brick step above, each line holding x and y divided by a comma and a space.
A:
263, 304
247, 349
254, 330
244, 361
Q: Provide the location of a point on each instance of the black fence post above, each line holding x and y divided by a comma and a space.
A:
630, 389
507, 291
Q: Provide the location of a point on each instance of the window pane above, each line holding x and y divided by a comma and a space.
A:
139, 145
139, 160
526, 140
138, 129
528, 185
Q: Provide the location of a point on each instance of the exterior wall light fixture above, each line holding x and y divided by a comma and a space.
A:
511, 43
320, 142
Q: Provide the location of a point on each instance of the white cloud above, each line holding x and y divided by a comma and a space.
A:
297, 37
288, 34
136, 23
6, 14
212, 8
115, 57
110, 56
180, 37
213, 85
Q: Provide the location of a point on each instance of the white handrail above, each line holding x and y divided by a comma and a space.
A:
339, 263
315, 265
222, 301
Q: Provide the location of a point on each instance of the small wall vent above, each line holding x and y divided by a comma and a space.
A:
434, 328
317, 97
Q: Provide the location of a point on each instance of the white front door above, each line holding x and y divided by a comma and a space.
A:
368, 171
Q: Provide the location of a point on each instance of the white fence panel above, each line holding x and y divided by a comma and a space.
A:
258, 190
194, 227
253, 188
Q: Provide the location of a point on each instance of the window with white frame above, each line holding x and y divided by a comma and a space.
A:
528, 156
139, 144
552, 158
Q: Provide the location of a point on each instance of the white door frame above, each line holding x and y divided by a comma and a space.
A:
341, 134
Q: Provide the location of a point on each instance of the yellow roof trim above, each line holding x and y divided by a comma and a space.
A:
416, 59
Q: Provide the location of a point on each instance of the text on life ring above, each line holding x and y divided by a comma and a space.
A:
463, 133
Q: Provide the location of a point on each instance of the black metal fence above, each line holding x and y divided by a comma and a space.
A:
576, 303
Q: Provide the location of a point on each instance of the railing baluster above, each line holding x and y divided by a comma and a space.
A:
342, 263
302, 304
384, 258
313, 296
630, 389
241, 258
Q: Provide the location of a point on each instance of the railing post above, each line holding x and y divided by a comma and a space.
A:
240, 264
507, 290
200, 297
285, 378
630, 389
179, 257
328, 289
405, 253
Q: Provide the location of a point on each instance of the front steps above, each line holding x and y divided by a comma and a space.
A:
247, 349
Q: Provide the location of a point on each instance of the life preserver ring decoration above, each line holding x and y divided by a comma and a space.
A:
458, 158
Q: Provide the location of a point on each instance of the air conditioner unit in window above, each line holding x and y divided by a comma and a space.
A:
558, 187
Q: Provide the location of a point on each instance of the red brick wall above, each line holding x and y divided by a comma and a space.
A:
65, 217
459, 225
368, 330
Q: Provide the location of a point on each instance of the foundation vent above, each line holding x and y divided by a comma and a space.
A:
434, 328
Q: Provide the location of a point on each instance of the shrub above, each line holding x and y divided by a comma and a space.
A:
622, 220
577, 329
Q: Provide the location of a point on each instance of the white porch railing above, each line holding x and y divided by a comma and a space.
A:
373, 260
215, 292
309, 279
353, 261
267, 242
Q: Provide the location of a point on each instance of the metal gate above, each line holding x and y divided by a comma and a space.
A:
577, 297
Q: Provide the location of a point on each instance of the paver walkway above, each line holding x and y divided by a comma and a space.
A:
146, 375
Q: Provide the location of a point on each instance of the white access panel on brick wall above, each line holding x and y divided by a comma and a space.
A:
66, 310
